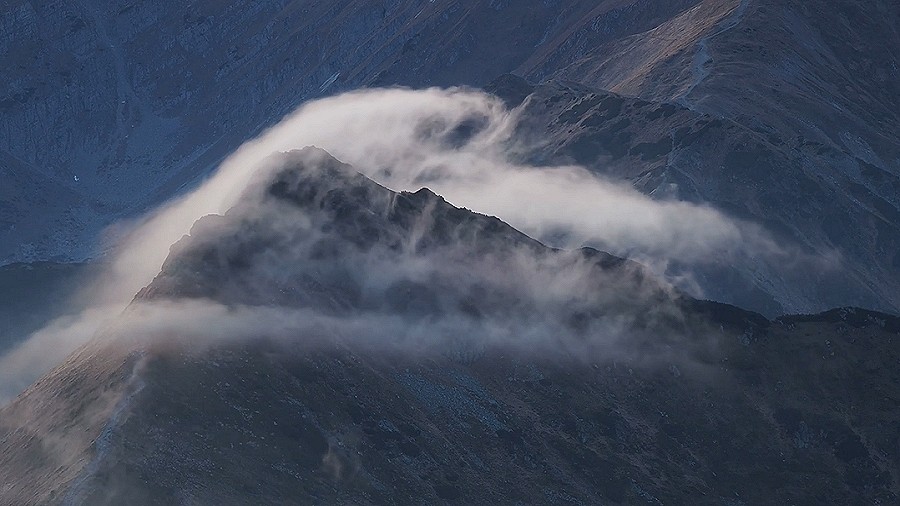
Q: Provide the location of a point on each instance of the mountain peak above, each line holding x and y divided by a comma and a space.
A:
310, 214
333, 336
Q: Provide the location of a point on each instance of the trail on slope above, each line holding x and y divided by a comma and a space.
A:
702, 58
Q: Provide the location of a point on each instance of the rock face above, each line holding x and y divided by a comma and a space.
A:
492, 388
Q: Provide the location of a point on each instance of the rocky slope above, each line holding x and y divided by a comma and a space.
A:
33, 294
805, 97
841, 238
825, 71
437, 358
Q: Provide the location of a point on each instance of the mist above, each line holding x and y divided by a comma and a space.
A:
456, 142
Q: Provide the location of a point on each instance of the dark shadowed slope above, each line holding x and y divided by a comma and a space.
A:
330, 341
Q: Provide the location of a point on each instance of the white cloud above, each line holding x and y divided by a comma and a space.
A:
458, 143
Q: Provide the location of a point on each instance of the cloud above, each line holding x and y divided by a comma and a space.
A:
49, 346
332, 258
460, 144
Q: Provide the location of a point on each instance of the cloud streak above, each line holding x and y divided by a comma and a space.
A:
460, 144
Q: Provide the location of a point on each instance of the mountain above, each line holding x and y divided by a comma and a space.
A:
784, 113
819, 72
328, 340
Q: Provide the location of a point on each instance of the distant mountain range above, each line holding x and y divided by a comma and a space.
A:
330, 340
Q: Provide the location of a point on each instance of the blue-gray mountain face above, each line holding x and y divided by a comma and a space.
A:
787, 111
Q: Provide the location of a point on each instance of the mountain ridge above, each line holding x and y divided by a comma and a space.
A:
281, 411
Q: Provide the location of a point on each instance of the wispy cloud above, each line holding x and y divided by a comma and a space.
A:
456, 142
